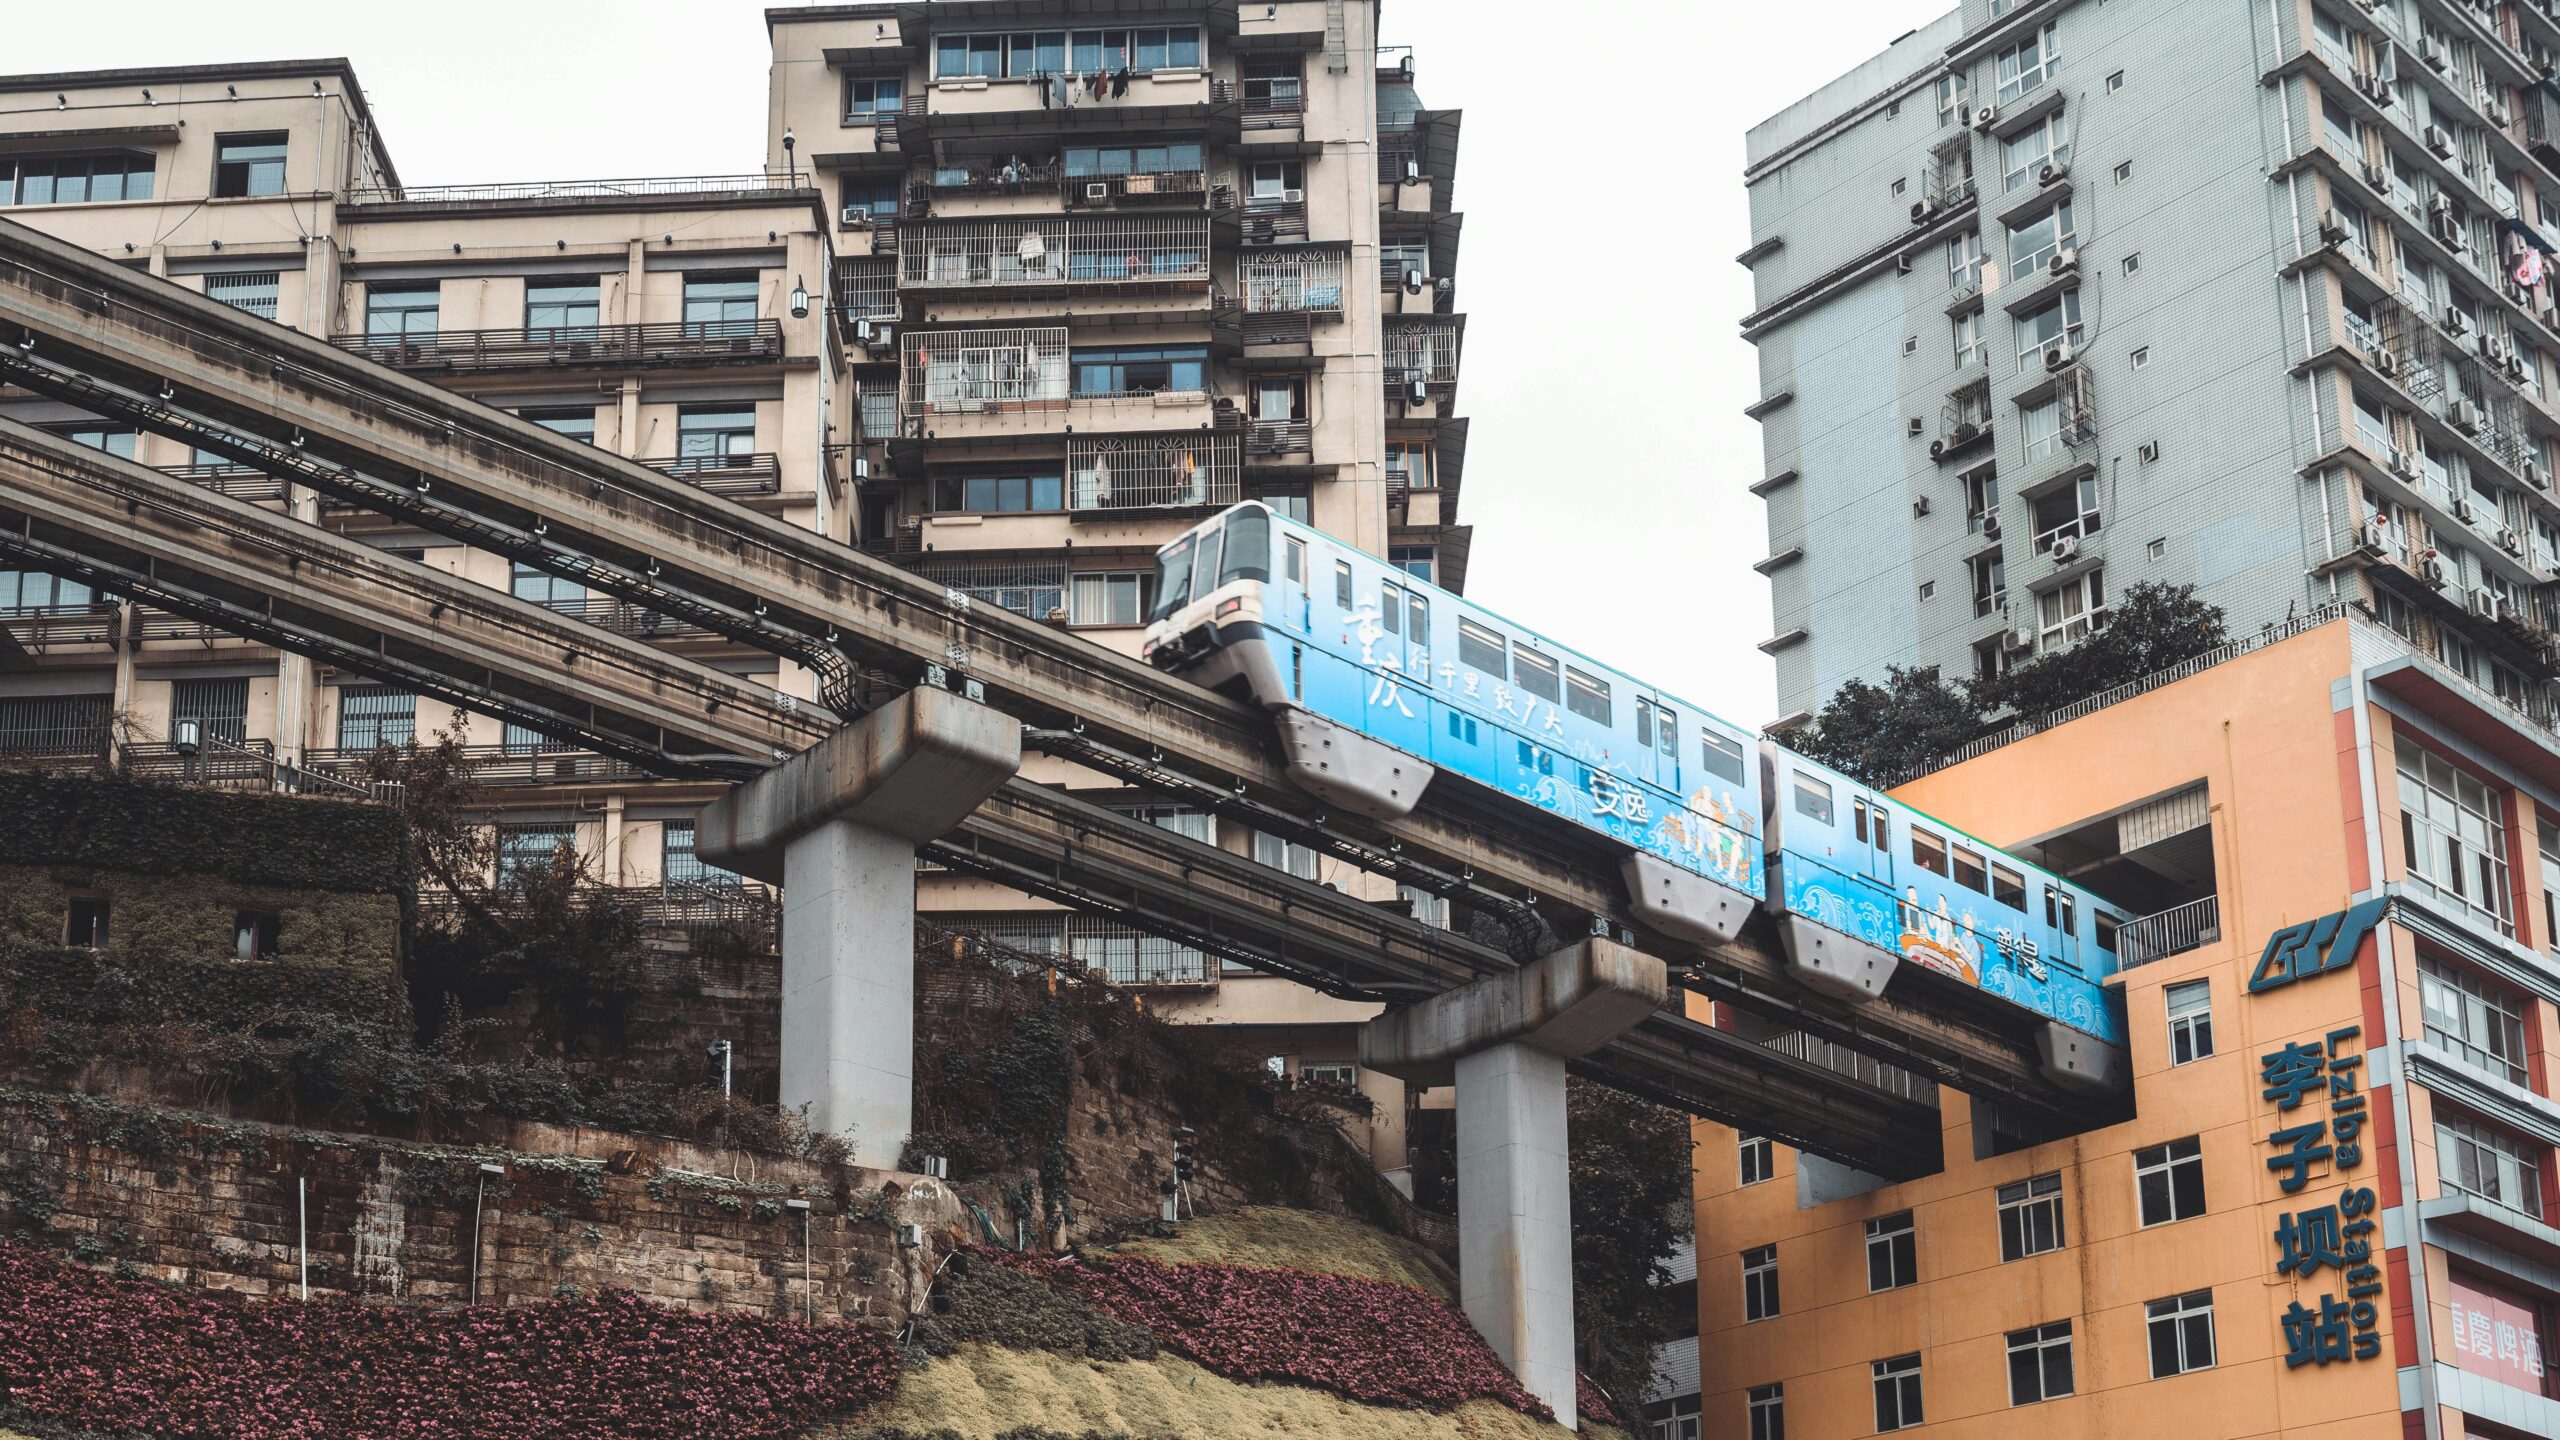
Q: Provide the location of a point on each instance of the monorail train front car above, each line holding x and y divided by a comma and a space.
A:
1379, 681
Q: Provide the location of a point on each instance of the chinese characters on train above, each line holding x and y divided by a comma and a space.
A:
2317, 1087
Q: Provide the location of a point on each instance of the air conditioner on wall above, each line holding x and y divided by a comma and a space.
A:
2063, 548
1985, 118
2483, 601
2020, 639
2053, 172
2065, 261
2466, 417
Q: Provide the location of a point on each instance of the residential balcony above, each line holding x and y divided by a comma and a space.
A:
2173, 931
578, 347
1272, 219
986, 177
40, 627
496, 765
240, 482
1422, 353
594, 193
741, 474
1279, 440
1183, 189
980, 106
1273, 111
1056, 254
1185, 470
1292, 282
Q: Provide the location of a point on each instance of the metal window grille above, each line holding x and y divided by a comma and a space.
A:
522, 848
879, 413
978, 371
679, 866
1121, 472
54, 724
1047, 250
375, 715
220, 706
1427, 351
255, 293
1110, 949
868, 288
1026, 585
1287, 281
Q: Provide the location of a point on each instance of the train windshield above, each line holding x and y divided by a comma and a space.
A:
1173, 577
1215, 555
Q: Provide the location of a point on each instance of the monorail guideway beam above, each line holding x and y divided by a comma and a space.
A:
134, 531
134, 347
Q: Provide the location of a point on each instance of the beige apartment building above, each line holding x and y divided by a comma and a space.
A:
1016, 293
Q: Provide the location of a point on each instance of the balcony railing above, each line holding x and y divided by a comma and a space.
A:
1271, 112
1286, 327
1142, 472
1278, 437
968, 372
240, 482
250, 765
2173, 931
624, 618
751, 183
495, 765
1048, 251
986, 179
867, 288
1290, 282
37, 626
578, 346
746, 473
1269, 219
1163, 187
56, 727
1425, 351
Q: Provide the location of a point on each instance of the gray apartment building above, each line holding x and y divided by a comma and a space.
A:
2054, 297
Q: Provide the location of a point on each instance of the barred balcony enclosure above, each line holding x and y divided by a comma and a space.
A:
69, 727
1269, 219
1028, 585
1141, 472
1163, 187
1289, 280
1424, 350
1042, 250
678, 342
970, 372
495, 765
867, 288
1279, 437
756, 473
771, 182
240, 482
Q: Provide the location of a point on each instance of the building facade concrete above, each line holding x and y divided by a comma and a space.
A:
2055, 297
2328, 1210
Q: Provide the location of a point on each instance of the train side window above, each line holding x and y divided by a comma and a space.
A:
2061, 911
1417, 629
1586, 695
1928, 851
1535, 673
1297, 561
1813, 799
2106, 925
1722, 756
1970, 872
1644, 723
1342, 584
1461, 728
2009, 887
1391, 609
1667, 737
1533, 758
1482, 650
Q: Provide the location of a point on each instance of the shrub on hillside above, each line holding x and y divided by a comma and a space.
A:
1000, 1305
81, 1348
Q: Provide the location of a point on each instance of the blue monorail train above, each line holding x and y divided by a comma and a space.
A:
1379, 681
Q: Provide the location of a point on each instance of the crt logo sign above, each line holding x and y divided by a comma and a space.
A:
2298, 952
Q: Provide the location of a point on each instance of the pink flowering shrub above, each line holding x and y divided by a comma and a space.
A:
1594, 1406
1369, 1340
121, 1356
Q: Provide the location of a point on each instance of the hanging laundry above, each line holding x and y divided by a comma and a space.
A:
1065, 86
1120, 83
1100, 83
1033, 252
2528, 270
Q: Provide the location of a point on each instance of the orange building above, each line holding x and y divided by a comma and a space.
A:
2330, 1212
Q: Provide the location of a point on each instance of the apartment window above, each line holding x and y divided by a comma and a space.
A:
2124, 171
2031, 1216
97, 435
1953, 91
1767, 1407
85, 927
1897, 1384
2453, 834
1290, 502
1990, 658
720, 304
2547, 833
1967, 329
869, 200
868, 97
1419, 561
2190, 1007
2040, 429
1757, 1156
1008, 493
1981, 497
2169, 1180
1964, 259
578, 425
2029, 63
1990, 582
1114, 597
257, 935
74, 179
2067, 613
1278, 181
1176, 158
1288, 855
1893, 1252
1272, 84
526, 849
2024, 155
2498, 1167
254, 292
706, 432
220, 708
245, 165
2338, 131
1760, 1283
1141, 370
1396, 262
30, 590
679, 864
2474, 1017
399, 312
2181, 1334
544, 588
2040, 1363
563, 309
2037, 243
2056, 322
2071, 510
375, 715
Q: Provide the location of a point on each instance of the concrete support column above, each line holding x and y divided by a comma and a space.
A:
1505, 1040
837, 827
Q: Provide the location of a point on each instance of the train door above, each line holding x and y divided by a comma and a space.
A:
1399, 700
1288, 609
2062, 925
1657, 755
1871, 840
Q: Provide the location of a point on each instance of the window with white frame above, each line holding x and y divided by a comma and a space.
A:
2181, 1333
1675, 1419
1981, 496
2040, 1363
1108, 597
1282, 854
2024, 155
2070, 510
2474, 1017
2035, 243
1893, 1252
2067, 613
2040, 428
1954, 89
1759, 1282
2495, 1166
2373, 424
2031, 1216
1767, 1405
1757, 1158
1964, 259
2453, 834
2055, 322
2548, 837
1897, 1383
1990, 582
2190, 1007
2168, 1180
2339, 132
1968, 335
2029, 63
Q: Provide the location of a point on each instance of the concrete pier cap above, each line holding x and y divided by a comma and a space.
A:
1504, 1041
837, 827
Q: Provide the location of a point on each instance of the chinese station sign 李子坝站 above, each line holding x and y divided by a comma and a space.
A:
2318, 1087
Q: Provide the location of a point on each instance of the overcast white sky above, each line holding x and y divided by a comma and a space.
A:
1604, 206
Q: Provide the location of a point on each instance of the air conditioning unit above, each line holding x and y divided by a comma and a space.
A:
2494, 113
1294, 197
857, 216
1097, 190
2439, 142
2436, 572
2058, 357
2517, 370
883, 337
2483, 602
2369, 537
2432, 53
1919, 212
2386, 362
2400, 465
2493, 350
2455, 322
2332, 232
2534, 476
2466, 417
2020, 639
2063, 548
2511, 542
2052, 172
2463, 512
1991, 527
1985, 118
2378, 178
1937, 449
1919, 507
2064, 261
